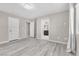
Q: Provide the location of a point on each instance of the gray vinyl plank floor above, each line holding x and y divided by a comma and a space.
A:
32, 47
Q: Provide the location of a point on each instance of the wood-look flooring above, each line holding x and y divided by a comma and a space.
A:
32, 47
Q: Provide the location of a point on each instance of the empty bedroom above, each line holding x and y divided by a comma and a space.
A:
39, 29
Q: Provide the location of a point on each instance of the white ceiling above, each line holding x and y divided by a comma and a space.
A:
40, 9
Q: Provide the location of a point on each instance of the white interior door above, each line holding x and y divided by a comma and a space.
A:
32, 29
44, 22
13, 28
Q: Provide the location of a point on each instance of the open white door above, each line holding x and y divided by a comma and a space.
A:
13, 28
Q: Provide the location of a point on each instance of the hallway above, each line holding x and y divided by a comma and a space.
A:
32, 47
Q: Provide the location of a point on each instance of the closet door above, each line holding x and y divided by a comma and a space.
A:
13, 28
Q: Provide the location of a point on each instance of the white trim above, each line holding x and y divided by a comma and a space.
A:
64, 43
4, 42
10, 40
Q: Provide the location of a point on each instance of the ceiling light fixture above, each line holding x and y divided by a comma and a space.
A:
27, 5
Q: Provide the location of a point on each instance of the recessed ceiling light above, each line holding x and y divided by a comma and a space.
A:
27, 5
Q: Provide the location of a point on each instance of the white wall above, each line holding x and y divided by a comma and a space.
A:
23, 28
38, 28
77, 28
4, 26
77, 19
59, 26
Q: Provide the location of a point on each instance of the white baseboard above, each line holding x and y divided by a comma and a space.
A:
55, 41
4, 42
41, 39
8, 41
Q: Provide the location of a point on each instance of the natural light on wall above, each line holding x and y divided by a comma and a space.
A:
27, 5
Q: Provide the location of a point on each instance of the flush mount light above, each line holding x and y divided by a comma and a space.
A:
27, 5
